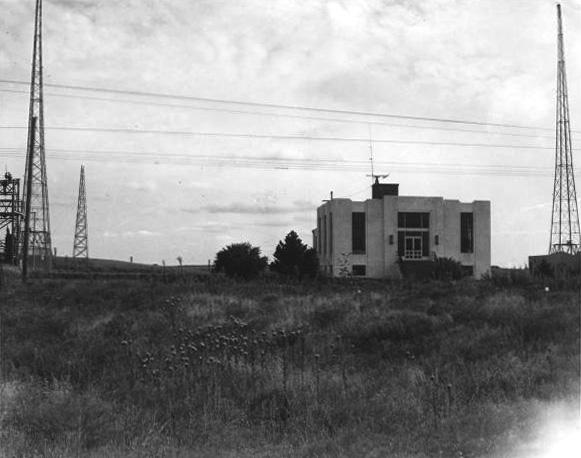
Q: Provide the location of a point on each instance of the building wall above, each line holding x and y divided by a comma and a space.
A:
381, 225
482, 237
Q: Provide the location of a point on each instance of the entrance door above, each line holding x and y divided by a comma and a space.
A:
413, 247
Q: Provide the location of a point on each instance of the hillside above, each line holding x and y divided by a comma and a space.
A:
63, 264
211, 367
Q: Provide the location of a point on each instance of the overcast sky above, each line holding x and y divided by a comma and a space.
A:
487, 61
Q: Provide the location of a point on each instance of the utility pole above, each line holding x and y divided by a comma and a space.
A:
81, 244
35, 184
565, 234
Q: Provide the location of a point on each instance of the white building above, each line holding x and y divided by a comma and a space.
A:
377, 237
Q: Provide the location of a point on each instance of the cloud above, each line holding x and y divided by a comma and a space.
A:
131, 234
258, 209
448, 58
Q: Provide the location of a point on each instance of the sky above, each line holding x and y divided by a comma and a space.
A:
159, 195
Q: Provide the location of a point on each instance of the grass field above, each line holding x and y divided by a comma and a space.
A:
211, 367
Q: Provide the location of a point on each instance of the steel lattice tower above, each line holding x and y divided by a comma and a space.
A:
565, 236
81, 245
40, 246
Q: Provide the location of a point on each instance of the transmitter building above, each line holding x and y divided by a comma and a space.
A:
381, 236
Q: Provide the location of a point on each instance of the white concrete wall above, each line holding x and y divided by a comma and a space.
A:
482, 237
374, 238
390, 267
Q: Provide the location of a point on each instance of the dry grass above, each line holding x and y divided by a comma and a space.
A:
212, 367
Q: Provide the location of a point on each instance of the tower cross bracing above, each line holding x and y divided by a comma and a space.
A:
40, 245
81, 244
565, 234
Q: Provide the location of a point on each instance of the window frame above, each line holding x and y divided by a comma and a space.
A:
413, 225
362, 268
467, 232
359, 236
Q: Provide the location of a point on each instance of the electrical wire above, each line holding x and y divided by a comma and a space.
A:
295, 137
281, 163
277, 115
273, 105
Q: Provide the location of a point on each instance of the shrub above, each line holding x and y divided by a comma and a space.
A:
240, 260
447, 269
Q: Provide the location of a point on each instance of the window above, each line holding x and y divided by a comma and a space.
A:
318, 245
391, 239
466, 233
330, 234
324, 234
358, 232
359, 270
436, 239
413, 236
468, 271
413, 220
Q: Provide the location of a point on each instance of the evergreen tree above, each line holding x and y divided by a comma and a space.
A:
293, 258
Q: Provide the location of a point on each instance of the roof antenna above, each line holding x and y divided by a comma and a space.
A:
374, 178
370, 151
330, 197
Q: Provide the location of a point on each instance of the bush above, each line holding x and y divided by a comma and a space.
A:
240, 260
447, 269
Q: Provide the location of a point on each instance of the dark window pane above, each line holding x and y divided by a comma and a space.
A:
400, 243
324, 235
466, 232
468, 271
331, 234
358, 232
413, 220
318, 246
359, 270
425, 243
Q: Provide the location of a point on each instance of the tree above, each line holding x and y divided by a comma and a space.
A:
293, 258
310, 266
240, 260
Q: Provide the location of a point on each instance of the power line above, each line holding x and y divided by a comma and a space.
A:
285, 115
294, 137
275, 105
270, 163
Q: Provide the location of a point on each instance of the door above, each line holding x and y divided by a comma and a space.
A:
413, 247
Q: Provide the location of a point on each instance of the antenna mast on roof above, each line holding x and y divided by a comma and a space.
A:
370, 152
374, 178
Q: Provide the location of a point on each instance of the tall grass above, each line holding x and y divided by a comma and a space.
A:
215, 367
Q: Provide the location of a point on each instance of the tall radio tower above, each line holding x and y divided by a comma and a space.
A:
81, 246
40, 246
565, 236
